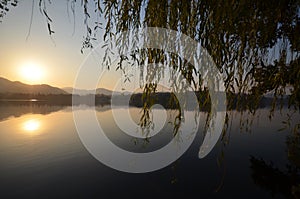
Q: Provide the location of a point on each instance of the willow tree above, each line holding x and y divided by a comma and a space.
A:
240, 36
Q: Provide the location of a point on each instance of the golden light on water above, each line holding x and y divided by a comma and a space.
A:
31, 125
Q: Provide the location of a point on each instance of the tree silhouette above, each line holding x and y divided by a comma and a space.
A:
237, 34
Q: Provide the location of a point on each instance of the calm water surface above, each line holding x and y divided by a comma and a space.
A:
41, 155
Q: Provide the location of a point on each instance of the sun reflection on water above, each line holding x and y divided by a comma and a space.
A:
31, 125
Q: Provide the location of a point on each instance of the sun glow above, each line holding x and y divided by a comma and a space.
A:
31, 125
31, 72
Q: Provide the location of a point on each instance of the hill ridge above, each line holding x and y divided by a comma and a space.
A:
8, 86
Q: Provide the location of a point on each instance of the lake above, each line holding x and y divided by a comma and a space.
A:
41, 154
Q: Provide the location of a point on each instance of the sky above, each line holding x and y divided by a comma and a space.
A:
38, 58
41, 59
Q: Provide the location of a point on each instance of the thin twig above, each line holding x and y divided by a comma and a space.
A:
31, 18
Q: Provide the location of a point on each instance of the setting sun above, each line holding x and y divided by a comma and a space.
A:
31, 72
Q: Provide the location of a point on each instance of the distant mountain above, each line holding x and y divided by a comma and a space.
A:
7, 86
87, 92
104, 91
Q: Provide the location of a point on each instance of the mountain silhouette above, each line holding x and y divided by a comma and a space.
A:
7, 86
99, 91
104, 91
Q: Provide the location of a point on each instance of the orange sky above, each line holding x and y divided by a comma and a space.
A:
56, 58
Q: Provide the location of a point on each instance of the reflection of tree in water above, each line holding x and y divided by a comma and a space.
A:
270, 178
18, 109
